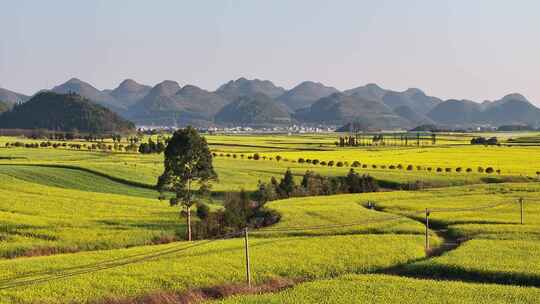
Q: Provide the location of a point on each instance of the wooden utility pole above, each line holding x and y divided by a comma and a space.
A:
248, 270
521, 208
427, 229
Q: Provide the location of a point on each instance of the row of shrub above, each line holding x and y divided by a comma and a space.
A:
76, 146
314, 184
153, 147
357, 164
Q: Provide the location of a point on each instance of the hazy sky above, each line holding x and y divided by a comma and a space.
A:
473, 49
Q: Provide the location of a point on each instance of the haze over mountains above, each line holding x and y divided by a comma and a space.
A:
244, 102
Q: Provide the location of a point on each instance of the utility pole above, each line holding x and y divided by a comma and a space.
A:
248, 270
427, 229
521, 208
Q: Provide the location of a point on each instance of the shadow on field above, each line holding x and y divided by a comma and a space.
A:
456, 273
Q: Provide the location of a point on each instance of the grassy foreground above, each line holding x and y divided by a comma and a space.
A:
391, 289
217, 263
41, 220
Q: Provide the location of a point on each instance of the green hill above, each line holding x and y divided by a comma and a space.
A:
235, 89
456, 112
168, 104
305, 94
339, 109
257, 109
63, 112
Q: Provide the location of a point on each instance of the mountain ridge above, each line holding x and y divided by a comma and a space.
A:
167, 103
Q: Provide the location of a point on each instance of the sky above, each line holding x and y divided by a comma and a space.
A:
463, 49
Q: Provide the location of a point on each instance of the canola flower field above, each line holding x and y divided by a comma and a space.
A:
86, 226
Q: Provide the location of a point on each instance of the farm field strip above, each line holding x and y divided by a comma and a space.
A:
38, 219
73, 179
218, 263
373, 288
508, 262
96, 228
234, 174
504, 158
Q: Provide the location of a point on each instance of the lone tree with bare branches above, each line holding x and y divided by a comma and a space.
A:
188, 161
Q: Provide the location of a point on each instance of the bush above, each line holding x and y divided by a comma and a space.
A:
429, 169
331, 163
419, 168
364, 166
202, 211
439, 170
301, 160
480, 170
308, 161
256, 156
489, 170
374, 166
498, 171
448, 169
339, 164
383, 167
355, 164
458, 169
400, 167
278, 157
392, 167
410, 167
323, 163
469, 170
315, 161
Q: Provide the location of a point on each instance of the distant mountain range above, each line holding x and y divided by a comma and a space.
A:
261, 103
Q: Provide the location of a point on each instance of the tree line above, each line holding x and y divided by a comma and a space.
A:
357, 164
101, 146
492, 141
245, 209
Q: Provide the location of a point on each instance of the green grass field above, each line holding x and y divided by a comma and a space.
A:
43, 219
218, 263
391, 289
70, 219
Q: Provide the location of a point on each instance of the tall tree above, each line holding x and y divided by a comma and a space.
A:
287, 184
187, 160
